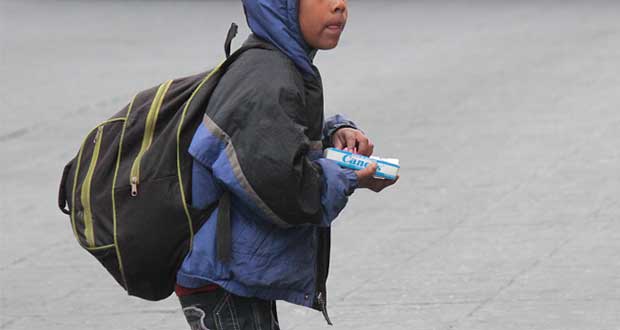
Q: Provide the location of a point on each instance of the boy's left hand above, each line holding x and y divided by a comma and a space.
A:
350, 139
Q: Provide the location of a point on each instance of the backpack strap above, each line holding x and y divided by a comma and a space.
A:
231, 57
232, 33
223, 231
62, 190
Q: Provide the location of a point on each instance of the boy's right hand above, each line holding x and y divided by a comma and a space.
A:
366, 179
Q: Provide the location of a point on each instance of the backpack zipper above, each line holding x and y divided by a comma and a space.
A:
89, 233
147, 139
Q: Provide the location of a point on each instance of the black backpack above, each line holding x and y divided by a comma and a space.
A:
128, 189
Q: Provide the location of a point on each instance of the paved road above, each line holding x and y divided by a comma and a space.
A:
504, 115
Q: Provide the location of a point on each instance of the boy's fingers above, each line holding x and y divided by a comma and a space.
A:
362, 145
338, 144
365, 146
378, 185
367, 173
351, 141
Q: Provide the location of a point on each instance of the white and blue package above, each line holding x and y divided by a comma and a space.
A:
386, 168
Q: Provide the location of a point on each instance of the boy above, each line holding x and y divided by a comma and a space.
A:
258, 154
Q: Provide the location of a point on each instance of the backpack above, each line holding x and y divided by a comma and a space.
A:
128, 190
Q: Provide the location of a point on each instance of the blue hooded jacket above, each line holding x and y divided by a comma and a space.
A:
262, 141
277, 21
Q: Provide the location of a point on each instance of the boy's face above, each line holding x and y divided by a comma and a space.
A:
322, 22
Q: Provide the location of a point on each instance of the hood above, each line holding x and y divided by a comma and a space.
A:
277, 21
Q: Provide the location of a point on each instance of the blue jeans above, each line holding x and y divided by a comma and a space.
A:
220, 310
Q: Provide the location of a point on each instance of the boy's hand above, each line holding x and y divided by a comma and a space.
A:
352, 140
366, 179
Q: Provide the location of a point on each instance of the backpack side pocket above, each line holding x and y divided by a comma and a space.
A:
91, 197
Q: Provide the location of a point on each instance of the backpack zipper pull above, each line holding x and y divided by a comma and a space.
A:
134, 186
323, 305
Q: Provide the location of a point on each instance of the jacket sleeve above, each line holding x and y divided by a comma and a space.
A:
254, 141
332, 124
338, 184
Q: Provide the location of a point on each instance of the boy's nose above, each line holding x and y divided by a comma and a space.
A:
339, 6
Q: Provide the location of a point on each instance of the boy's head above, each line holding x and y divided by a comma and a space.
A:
298, 27
322, 21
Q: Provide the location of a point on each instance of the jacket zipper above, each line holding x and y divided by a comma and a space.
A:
323, 306
89, 233
321, 274
147, 139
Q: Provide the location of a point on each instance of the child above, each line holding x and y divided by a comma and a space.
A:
258, 154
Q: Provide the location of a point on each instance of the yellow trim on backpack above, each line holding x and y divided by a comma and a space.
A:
149, 131
76, 176
99, 248
112, 120
75, 180
189, 101
118, 162
89, 233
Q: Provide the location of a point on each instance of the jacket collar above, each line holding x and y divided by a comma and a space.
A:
253, 41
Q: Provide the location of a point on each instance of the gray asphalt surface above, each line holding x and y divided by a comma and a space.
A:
505, 116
